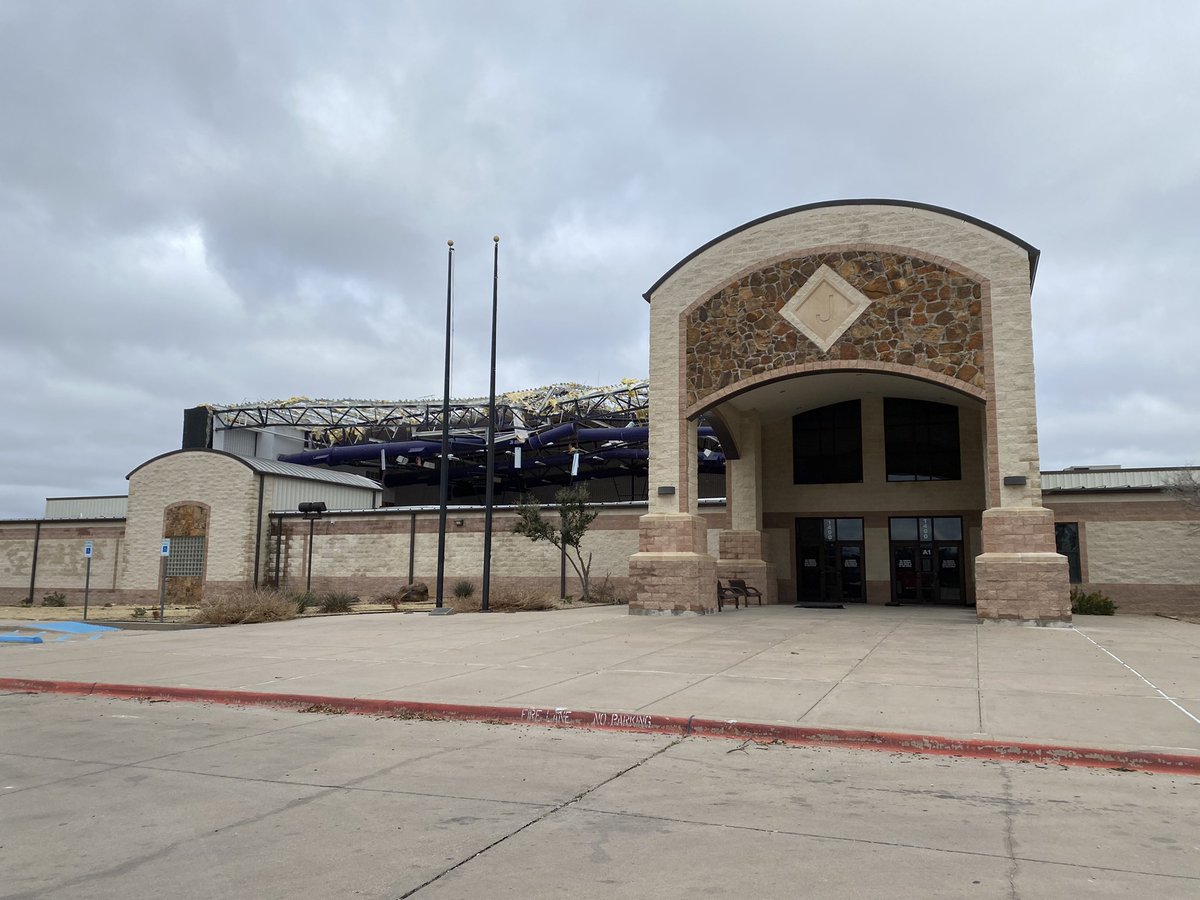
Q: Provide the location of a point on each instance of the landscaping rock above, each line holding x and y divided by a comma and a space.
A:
417, 592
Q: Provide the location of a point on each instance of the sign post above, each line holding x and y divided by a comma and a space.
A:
87, 578
164, 552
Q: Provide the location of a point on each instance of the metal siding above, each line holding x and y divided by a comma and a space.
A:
86, 507
1107, 478
288, 493
241, 441
309, 473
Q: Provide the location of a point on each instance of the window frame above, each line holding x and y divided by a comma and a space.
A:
923, 437
1074, 555
835, 431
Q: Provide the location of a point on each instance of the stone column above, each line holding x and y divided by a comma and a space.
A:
672, 572
743, 546
1019, 576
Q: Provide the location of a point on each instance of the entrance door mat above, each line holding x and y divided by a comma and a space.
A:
819, 606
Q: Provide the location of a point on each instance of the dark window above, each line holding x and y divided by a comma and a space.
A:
827, 445
947, 529
849, 529
921, 440
1066, 541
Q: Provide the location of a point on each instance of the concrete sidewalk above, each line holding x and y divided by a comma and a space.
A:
1119, 683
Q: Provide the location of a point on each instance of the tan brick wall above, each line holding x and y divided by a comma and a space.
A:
1142, 552
370, 553
1119, 506
1141, 549
61, 565
780, 495
673, 584
743, 545
1151, 599
1018, 531
226, 486
1030, 587
744, 484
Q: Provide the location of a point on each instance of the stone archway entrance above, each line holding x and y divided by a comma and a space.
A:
916, 317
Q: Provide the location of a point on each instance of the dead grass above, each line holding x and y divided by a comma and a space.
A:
243, 606
523, 600
507, 600
604, 594
117, 612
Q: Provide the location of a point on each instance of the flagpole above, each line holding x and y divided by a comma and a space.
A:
490, 490
444, 489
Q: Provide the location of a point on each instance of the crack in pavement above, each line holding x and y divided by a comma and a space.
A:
534, 821
758, 829
1010, 846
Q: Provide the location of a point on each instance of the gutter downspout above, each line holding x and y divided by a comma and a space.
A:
37, 539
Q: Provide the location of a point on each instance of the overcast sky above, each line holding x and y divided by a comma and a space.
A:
214, 202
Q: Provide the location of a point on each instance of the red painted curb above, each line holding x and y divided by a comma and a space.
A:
896, 742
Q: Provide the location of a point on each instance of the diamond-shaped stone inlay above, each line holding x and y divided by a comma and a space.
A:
825, 307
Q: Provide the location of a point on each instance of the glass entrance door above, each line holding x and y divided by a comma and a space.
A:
830, 561
927, 555
949, 573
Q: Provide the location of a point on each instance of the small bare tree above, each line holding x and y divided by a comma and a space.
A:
574, 517
1185, 486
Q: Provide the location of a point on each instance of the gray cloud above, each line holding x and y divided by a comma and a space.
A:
226, 201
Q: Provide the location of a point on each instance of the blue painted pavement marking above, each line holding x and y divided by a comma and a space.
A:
71, 627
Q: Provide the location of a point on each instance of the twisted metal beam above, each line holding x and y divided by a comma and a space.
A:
332, 422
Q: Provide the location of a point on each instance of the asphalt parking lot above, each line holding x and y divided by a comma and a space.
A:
121, 799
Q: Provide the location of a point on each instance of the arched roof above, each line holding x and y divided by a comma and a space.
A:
1031, 250
274, 467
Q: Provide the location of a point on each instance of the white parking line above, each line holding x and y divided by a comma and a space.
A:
1152, 685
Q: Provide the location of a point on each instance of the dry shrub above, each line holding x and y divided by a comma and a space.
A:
462, 604
505, 599
605, 594
242, 606
521, 599
336, 602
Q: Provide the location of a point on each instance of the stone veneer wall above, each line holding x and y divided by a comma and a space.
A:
185, 520
924, 315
